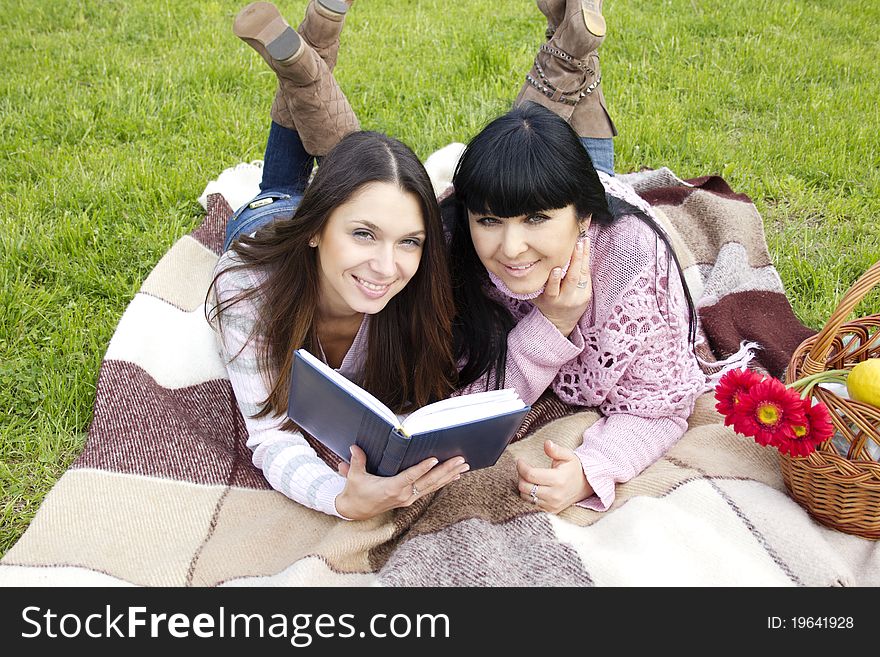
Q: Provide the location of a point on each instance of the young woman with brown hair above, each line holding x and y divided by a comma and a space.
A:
351, 267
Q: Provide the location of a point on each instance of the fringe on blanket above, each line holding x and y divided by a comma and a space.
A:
715, 369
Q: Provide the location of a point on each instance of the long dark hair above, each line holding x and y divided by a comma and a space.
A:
528, 160
409, 353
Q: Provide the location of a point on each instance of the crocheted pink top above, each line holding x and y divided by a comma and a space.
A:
628, 356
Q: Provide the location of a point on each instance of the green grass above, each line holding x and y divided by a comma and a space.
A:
114, 114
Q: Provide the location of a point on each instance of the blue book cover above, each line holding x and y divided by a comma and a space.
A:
339, 413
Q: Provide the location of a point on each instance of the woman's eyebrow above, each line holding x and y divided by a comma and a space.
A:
368, 224
375, 228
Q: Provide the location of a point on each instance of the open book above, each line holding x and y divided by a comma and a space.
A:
340, 413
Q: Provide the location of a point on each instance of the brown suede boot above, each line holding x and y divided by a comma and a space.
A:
308, 99
555, 10
322, 25
590, 117
565, 76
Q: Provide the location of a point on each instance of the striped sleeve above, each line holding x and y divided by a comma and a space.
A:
288, 462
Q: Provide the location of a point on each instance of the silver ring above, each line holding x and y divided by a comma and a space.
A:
583, 284
533, 494
415, 491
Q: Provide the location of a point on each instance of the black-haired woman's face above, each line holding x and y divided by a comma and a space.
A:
523, 250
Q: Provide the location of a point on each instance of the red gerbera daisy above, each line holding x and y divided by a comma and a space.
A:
730, 389
769, 412
808, 436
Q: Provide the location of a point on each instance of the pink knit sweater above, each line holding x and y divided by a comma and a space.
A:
628, 356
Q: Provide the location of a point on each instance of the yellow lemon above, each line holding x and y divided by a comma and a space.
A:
863, 382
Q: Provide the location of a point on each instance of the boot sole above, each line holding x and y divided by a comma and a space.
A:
594, 21
332, 9
263, 23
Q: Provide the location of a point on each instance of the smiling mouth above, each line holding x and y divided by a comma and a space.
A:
370, 287
521, 269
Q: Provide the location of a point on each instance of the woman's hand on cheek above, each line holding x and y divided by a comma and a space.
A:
559, 486
565, 300
366, 495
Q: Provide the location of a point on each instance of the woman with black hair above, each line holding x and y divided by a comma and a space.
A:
563, 278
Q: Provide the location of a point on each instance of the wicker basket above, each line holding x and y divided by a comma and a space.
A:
841, 492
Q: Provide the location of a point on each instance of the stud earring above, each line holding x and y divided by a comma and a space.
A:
313, 243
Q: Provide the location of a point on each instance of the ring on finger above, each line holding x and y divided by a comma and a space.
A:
583, 284
415, 491
533, 494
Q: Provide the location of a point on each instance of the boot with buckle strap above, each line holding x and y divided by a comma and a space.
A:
308, 98
565, 76
590, 117
322, 26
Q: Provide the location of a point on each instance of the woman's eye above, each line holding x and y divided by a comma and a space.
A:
537, 219
412, 243
488, 221
363, 234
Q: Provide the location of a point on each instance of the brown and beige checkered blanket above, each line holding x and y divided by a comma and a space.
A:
164, 492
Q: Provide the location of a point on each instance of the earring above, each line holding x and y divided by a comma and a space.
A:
584, 225
313, 243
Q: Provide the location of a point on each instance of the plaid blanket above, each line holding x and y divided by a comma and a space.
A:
164, 493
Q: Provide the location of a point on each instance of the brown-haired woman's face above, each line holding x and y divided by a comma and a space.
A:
369, 249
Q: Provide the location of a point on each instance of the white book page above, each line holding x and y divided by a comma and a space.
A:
460, 410
353, 388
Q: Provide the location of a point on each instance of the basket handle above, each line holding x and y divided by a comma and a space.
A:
814, 361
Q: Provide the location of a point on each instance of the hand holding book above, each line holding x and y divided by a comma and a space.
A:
366, 495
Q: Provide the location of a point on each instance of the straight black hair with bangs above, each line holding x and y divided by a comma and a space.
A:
527, 161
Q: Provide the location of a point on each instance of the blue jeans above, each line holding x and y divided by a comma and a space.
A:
286, 170
601, 152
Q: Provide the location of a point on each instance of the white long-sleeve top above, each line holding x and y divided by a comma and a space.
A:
289, 463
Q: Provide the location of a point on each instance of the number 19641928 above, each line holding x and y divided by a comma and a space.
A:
810, 622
